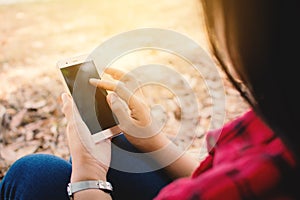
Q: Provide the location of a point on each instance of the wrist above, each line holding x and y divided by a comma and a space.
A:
84, 177
87, 172
89, 189
151, 144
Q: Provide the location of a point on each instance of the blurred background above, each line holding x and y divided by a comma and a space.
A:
34, 35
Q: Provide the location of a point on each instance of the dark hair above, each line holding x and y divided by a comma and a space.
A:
259, 40
256, 38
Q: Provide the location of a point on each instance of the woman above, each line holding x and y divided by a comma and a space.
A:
256, 155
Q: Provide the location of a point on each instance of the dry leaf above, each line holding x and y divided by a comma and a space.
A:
8, 154
17, 119
30, 148
34, 125
2, 112
35, 105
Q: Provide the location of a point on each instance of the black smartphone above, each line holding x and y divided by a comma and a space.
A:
90, 101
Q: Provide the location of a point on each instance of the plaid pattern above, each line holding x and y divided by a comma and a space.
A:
247, 162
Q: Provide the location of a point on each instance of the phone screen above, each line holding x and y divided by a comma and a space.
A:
90, 101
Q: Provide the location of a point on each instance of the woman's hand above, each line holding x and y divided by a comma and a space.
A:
138, 125
128, 104
90, 161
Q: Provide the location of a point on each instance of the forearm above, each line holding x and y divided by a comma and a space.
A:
183, 166
181, 163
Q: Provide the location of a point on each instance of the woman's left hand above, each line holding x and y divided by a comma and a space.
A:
90, 160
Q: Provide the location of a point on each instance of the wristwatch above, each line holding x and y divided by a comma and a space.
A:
84, 185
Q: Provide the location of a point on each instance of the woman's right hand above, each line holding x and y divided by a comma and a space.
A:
128, 104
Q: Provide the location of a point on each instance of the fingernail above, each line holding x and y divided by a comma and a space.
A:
64, 97
94, 81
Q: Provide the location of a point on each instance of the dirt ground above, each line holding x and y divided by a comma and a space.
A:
34, 35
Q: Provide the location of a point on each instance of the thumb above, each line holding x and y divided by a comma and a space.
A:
69, 108
67, 105
119, 108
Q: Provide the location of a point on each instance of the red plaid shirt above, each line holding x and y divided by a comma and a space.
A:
247, 162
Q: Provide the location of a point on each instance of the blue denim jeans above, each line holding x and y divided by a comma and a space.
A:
45, 177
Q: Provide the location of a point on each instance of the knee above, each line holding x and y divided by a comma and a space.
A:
35, 176
38, 166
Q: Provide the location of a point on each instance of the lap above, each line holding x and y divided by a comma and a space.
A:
42, 176
37, 176
134, 175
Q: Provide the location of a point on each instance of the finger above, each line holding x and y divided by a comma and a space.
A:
128, 78
117, 87
67, 105
115, 73
69, 108
119, 108
120, 75
137, 107
104, 84
131, 82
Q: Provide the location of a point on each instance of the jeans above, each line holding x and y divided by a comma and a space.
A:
45, 177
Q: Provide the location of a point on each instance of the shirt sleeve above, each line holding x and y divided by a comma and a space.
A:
242, 180
246, 163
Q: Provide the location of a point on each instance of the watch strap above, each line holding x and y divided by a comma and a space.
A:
84, 185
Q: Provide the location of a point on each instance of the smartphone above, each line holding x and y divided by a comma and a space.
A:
89, 100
